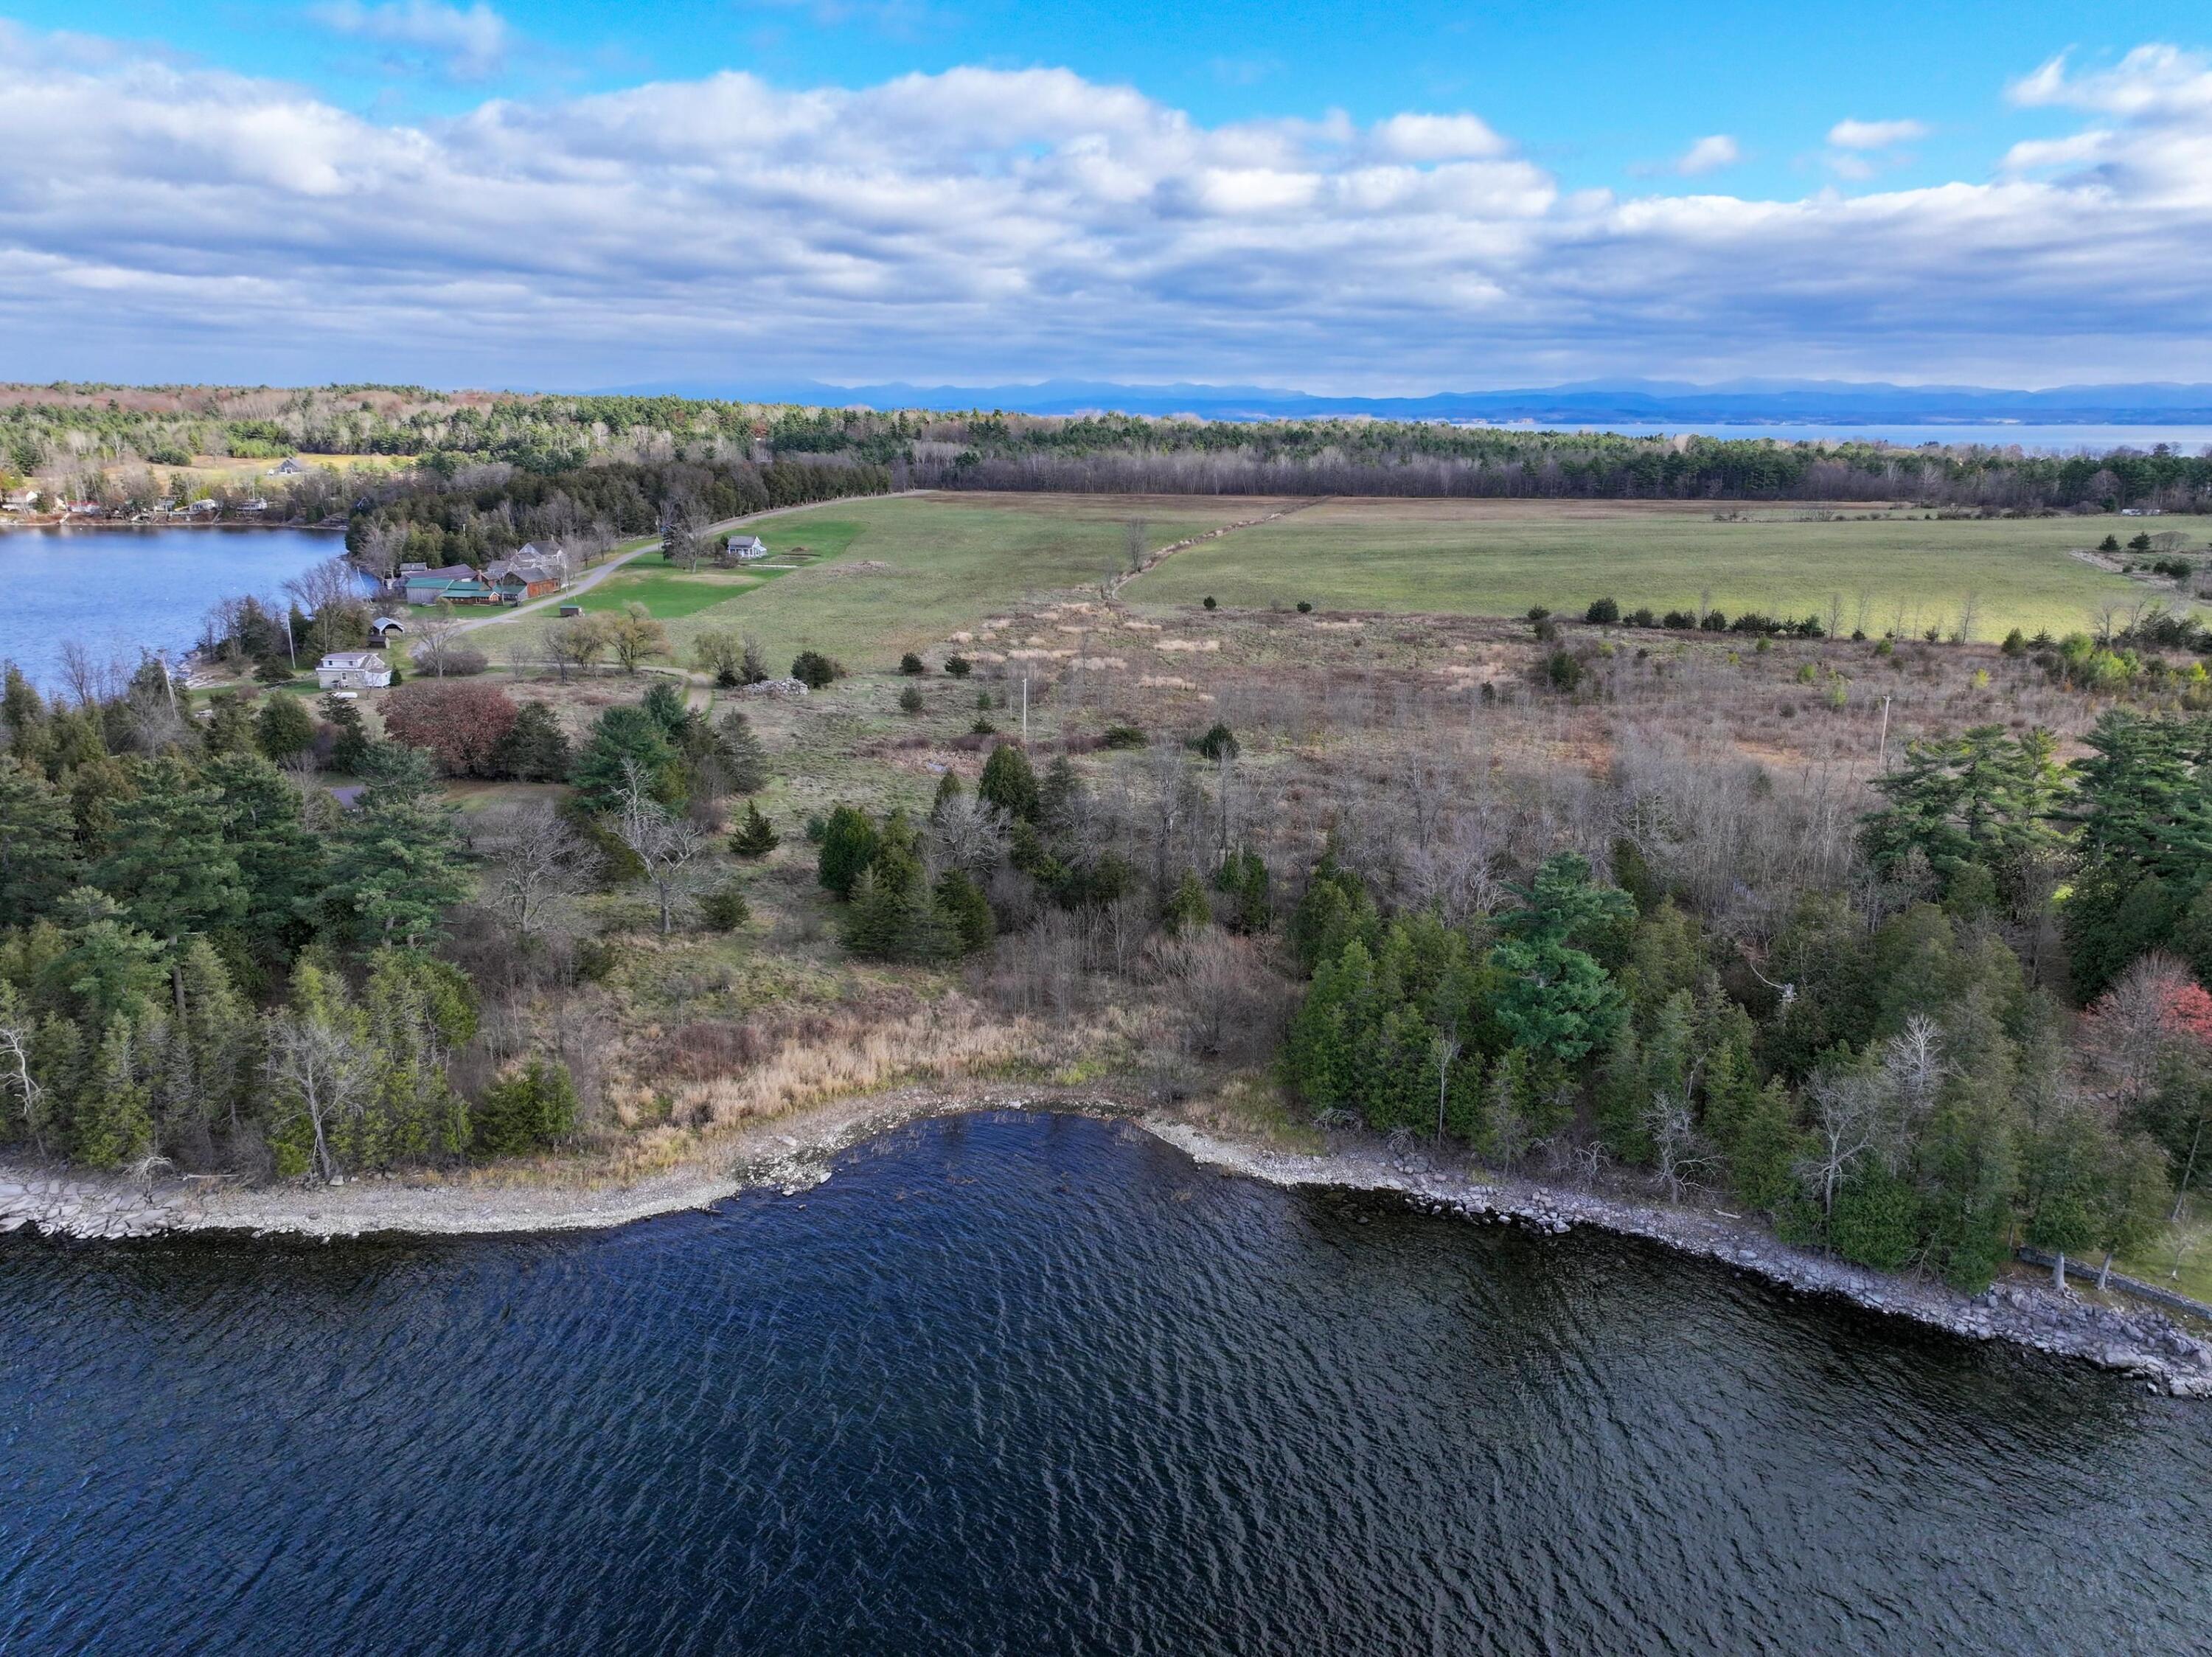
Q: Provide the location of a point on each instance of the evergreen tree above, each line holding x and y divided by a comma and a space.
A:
230, 727
38, 849
417, 1011
282, 728
350, 748
745, 761
895, 916
167, 861
280, 864
396, 868
1875, 1221
1243, 877
1009, 783
534, 748
111, 1120
623, 736
104, 966
1557, 1000
754, 836
1186, 910
1334, 909
964, 905
525, 1109
849, 846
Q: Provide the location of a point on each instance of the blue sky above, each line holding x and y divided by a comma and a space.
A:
1401, 198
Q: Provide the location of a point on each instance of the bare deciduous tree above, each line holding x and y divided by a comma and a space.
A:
320, 1071
665, 844
538, 865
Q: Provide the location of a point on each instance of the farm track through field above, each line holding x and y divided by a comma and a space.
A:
1154, 559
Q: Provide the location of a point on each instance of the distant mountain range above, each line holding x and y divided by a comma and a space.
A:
1589, 403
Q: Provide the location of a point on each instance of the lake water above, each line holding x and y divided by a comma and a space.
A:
119, 591
1023, 1385
2034, 440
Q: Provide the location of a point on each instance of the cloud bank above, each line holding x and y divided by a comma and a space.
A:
982, 224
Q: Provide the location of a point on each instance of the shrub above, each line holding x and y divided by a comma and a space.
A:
1209, 602
724, 908
1563, 671
958, 666
1603, 613
460, 663
462, 725
912, 664
1304, 608
911, 700
275, 671
1219, 742
1539, 612
1641, 617
1123, 736
525, 1109
1680, 619
982, 727
1715, 621
815, 671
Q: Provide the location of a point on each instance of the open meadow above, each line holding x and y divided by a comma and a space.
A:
1899, 571
877, 577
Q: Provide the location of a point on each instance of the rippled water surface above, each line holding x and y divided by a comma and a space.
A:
1034, 1385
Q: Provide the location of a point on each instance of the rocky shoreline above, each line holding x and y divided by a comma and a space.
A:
794, 1154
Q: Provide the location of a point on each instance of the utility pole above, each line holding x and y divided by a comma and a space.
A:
1883, 765
1025, 704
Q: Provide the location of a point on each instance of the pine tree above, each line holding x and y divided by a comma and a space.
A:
620, 738
1243, 877
754, 836
38, 852
396, 870
280, 864
229, 727
167, 861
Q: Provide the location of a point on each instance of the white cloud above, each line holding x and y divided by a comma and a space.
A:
160, 221
1708, 155
469, 45
1874, 135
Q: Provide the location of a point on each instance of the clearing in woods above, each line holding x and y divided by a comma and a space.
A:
1500, 558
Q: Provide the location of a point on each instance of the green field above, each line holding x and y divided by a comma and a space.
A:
1484, 557
902, 574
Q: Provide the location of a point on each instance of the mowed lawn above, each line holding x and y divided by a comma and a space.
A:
1500, 558
903, 574
672, 592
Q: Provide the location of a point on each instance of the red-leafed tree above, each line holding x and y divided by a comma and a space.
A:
460, 721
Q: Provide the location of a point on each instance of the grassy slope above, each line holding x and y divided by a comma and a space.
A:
946, 562
1500, 557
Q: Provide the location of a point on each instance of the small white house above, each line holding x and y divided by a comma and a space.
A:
353, 670
747, 549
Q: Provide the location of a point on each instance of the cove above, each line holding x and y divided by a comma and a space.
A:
119, 591
1020, 1383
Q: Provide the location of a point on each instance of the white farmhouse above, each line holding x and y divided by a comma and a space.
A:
746, 548
353, 670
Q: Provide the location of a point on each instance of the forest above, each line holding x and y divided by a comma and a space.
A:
73, 433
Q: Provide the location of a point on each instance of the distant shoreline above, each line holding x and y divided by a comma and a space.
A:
103, 525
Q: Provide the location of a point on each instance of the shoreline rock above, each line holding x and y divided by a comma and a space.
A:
792, 1154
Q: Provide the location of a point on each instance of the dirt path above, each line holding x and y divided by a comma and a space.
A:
1153, 560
